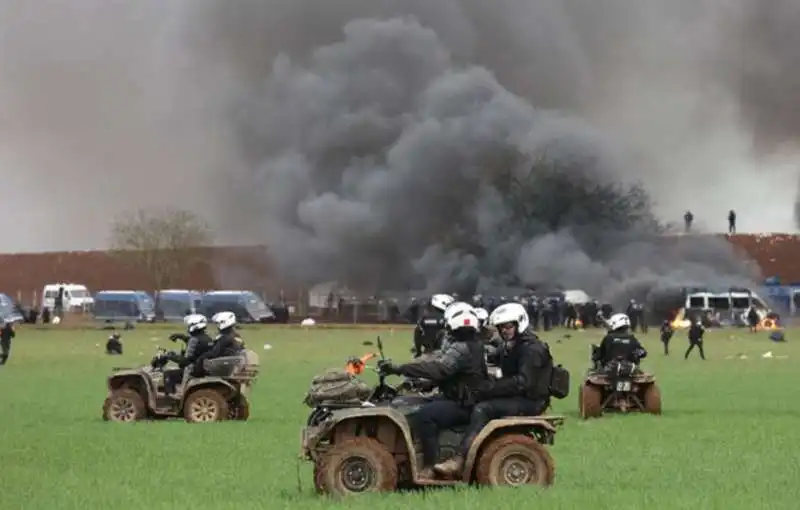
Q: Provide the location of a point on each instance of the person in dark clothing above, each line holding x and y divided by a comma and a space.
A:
753, 319
592, 309
198, 343
666, 335
7, 333
459, 370
688, 218
114, 344
523, 390
732, 222
696, 332
534, 307
571, 315
428, 333
58, 308
412, 314
619, 343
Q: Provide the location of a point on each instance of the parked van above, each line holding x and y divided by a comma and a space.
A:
175, 304
124, 305
8, 310
76, 296
247, 305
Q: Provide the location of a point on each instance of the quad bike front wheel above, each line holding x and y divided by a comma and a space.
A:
204, 406
239, 409
515, 460
124, 406
590, 401
652, 399
356, 466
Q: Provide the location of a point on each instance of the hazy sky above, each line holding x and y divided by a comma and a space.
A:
109, 105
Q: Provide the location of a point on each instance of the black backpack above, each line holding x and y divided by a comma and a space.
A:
559, 378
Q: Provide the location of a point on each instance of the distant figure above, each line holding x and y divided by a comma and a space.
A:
732, 222
688, 218
114, 344
6, 334
59, 303
696, 332
666, 335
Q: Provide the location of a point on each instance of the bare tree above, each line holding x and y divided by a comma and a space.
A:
162, 243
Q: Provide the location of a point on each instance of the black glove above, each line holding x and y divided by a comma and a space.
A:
385, 367
178, 336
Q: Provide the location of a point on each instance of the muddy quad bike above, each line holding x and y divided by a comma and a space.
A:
619, 386
370, 447
136, 394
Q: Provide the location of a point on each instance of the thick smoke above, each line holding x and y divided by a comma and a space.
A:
369, 146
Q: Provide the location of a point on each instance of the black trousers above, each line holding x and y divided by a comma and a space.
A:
488, 410
437, 415
699, 346
5, 349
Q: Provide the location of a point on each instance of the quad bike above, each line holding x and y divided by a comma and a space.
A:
136, 394
619, 386
369, 446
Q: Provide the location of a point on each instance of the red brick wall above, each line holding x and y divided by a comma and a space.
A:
248, 267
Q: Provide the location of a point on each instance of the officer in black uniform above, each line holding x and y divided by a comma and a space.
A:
696, 332
666, 335
619, 343
459, 370
197, 344
428, 333
6, 334
523, 390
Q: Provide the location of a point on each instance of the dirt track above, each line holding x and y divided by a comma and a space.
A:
22, 274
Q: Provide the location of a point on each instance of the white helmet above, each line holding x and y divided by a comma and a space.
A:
510, 312
461, 317
483, 315
441, 301
457, 306
224, 320
195, 322
618, 321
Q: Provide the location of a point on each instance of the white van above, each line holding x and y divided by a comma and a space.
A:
75, 296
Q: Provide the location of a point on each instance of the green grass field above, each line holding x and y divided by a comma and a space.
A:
728, 438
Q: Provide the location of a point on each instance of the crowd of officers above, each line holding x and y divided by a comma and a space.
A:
550, 312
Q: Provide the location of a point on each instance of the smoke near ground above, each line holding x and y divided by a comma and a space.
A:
374, 141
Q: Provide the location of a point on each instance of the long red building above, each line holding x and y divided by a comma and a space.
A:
248, 267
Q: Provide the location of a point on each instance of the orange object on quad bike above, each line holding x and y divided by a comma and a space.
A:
355, 366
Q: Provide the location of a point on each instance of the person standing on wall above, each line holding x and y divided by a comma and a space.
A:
732, 222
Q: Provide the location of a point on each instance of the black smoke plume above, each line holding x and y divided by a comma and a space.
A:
409, 142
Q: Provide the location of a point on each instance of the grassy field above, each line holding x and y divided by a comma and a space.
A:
728, 438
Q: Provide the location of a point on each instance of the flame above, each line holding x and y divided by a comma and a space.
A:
356, 366
768, 324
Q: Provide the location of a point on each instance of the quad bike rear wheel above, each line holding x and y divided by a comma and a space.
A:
124, 406
590, 401
204, 406
239, 409
356, 466
652, 399
515, 460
